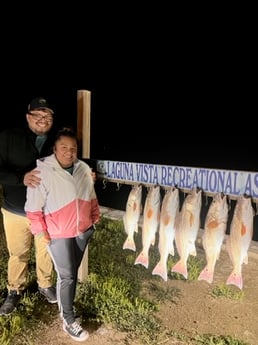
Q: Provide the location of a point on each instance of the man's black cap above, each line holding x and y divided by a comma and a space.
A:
39, 103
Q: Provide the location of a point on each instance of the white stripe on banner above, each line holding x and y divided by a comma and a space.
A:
230, 182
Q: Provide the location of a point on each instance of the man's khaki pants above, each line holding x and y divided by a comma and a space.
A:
19, 241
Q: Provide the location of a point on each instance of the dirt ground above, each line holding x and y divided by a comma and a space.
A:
195, 312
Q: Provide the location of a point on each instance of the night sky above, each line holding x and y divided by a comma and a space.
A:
147, 115
166, 93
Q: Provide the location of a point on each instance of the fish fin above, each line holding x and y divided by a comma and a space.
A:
192, 249
161, 271
206, 275
193, 252
243, 229
235, 279
166, 219
212, 224
150, 213
129, 244
142, 259
245, 261
172, 251
191, 219
181, 268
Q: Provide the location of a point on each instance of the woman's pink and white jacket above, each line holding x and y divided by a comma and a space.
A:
64, 205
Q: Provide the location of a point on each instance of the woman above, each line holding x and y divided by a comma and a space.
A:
64, 210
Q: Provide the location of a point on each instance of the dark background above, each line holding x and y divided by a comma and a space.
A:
171, 87
182, 114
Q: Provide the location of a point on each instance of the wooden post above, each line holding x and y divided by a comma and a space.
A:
83, 134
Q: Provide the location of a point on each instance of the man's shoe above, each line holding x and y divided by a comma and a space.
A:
49, 294
75, 331
10, 303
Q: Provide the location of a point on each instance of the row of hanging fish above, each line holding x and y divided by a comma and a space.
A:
180, 227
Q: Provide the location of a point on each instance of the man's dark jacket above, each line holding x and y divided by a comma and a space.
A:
18, 155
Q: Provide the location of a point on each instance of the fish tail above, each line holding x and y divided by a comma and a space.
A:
142, 259
129, 244
180, 267
206, 275
161, 271
235, 278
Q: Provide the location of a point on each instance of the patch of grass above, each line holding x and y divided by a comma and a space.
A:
205, 339
209, 339
112, 292
223, 290
19, 327
160, 294
115, 292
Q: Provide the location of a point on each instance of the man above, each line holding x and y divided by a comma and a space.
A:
19, 149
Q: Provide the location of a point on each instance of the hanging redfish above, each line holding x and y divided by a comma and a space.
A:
169, 210
132, 215
214, 233
240, 237
151, 216
187, 227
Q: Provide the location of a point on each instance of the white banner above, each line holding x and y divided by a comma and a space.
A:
230, 182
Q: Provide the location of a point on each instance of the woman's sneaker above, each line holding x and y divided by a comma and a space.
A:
75, 331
